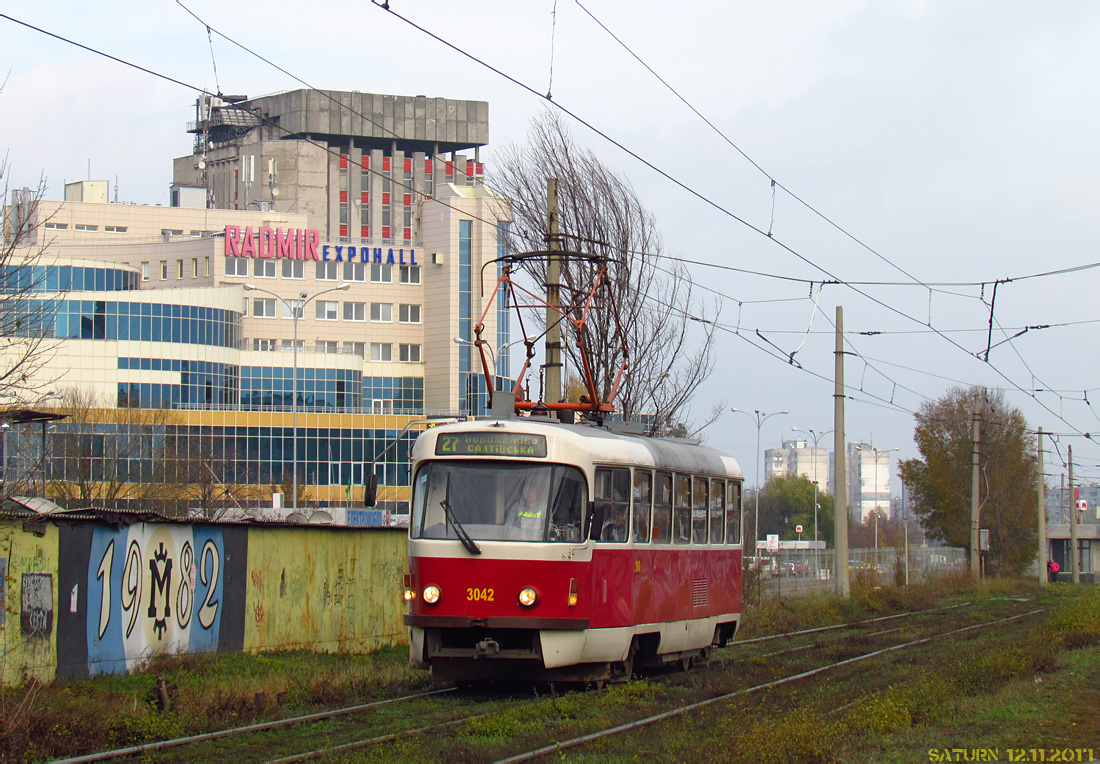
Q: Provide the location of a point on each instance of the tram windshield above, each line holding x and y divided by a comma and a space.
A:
498, 501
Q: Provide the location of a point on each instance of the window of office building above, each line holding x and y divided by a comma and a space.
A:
328, 271
145, 271
381, 273
86, 227
328, 346
381, 351
327, 310
409, 314
410, 274
381, 311
260, 343
355, 271
294, 269
355, 348
263, 268
410, 353
292, 308
114, 228
236, 266
194, 267
263, 307
179, 269
163, 270
288, 345
355, 311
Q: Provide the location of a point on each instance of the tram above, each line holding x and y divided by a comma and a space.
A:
568, 552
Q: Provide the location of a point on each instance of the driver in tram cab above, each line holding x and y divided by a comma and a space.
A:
524, 518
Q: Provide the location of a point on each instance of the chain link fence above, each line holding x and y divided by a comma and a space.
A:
794, 572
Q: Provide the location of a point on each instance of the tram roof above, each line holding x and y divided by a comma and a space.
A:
606, 445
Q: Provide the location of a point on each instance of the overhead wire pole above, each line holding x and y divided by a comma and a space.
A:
840, 476
553, 392
975, 466
1074, 568
1043, 577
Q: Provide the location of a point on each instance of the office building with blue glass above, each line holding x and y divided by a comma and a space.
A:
184, 326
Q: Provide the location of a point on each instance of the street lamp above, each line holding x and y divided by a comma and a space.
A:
492, 356
296, 311
876, 451
759, 417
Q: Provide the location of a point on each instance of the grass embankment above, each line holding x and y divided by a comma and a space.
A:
988, 698
1018, 692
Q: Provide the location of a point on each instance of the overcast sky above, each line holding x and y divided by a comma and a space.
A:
957, 140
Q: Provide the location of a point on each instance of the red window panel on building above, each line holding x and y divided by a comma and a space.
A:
343, 230
427, 167
408, 234
366, 161
480, 168
408, 200
343, 161
469, 168
450, 169
385, 232
385, 164
365, 197
385, 198
408, 164
365, 232
343, 197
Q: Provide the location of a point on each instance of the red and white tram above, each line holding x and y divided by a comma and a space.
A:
547, 551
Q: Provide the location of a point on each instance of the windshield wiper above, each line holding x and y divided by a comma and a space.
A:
463, 536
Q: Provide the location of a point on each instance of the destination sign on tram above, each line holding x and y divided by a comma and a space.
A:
491, 444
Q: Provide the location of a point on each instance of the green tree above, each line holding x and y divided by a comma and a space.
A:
939, 482
787, 502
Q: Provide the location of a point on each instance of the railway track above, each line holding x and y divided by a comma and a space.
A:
806, 656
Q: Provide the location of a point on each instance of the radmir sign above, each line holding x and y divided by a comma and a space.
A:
304, 244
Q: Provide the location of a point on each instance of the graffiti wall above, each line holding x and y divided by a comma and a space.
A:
29, 617
332, 592
90, 598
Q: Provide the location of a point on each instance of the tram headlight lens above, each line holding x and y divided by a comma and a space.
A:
528, 597
431, 594
410, 594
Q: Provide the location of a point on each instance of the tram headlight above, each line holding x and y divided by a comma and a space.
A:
410, 594
528, 597
431, 594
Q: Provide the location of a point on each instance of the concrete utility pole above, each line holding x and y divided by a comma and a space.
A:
840, 476
1073, 521
553, 392
1042, 514
975, 555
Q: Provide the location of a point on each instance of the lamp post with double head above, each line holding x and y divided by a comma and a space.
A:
759, 417
296, 311
876, 452
816, 437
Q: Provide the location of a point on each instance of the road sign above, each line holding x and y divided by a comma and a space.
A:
798, 529
772, 542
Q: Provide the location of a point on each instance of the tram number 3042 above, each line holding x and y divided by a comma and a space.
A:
479, 595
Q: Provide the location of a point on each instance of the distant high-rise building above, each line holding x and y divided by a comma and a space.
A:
868, 480
797, 457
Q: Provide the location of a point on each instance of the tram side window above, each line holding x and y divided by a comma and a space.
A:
699, 511
662, 509
733, 512
717, 511
613, 497
568, 507
681, 510
643, 495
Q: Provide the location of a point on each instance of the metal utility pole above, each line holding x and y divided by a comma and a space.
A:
840, 477
975, 554
553, 392
1073, 521
1042, 514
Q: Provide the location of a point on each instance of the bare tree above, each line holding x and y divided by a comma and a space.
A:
26, 310
107, 457
203, 479
668, 334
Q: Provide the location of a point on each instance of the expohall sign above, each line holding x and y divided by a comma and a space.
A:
305, 244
